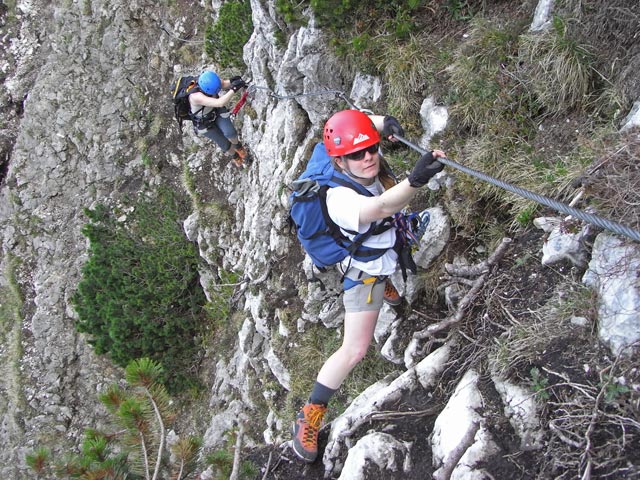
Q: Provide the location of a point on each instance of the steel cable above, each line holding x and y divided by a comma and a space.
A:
559, 206
271, 93
549, 202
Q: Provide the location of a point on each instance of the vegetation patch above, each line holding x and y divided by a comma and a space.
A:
140, 295
558, 69
137, 445
225, 38
11, 303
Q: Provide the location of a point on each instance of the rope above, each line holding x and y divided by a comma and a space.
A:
271, 93
561, 207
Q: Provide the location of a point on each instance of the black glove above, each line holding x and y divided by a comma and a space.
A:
233, 79
391, 126
238, 84
424, 169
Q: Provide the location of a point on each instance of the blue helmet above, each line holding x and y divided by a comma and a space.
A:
209, 83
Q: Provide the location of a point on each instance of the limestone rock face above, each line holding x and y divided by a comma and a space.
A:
70, 150
86, 87
86, 119
613, 273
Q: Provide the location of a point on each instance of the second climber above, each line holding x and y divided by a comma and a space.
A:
210, 114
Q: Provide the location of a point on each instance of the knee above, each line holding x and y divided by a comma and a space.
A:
355, 353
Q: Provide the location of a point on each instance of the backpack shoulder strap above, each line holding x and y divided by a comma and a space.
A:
341, 180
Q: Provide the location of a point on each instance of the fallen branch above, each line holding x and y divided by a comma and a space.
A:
449, 464
266, 469
390, 415
470, 296
235, 471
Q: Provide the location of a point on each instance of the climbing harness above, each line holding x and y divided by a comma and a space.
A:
349, 283
561, 207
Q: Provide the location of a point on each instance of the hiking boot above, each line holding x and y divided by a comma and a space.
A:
237, 161
241, 152
391, 295
305, 431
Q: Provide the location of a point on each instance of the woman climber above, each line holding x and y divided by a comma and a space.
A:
210, 114
352, 140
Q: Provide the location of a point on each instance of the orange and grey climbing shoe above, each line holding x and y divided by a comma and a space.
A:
391, 295
241, 152
237, 161
239, 156
305, 431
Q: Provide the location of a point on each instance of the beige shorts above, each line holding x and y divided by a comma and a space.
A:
363, 297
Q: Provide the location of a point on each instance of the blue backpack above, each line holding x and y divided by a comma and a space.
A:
320, 237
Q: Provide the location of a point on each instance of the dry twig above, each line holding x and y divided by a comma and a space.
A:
483, 268
266, 469
235, 471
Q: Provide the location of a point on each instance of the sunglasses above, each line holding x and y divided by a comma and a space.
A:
359, 155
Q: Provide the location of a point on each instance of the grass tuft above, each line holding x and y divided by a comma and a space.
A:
558, 69
475, 76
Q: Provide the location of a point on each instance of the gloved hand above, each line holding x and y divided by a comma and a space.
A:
237, 84
424, 169
233, 79
391, 126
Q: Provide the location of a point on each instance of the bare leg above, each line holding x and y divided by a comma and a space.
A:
358, 333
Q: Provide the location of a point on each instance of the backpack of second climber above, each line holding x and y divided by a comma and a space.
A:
183, 87
320, 237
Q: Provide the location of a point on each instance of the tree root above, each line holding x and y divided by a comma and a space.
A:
445, 471
481, 270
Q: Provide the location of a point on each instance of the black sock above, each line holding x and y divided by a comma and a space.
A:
321, 394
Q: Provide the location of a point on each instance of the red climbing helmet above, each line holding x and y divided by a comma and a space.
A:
349, 131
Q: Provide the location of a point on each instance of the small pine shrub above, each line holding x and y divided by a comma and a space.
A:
140, 295
291, 11
136, 446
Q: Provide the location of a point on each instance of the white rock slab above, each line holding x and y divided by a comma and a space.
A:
377, 448
613, 272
